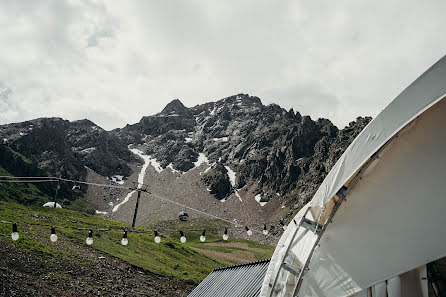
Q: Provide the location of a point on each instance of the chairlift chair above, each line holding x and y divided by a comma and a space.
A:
183, 216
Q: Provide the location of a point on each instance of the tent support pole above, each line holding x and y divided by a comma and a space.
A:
286, 253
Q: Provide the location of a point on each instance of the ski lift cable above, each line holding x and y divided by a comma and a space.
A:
55, 179
27, 181
199, 211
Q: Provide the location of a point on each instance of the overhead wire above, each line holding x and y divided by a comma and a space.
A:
32, 179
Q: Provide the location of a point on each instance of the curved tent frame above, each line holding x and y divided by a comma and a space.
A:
309, 261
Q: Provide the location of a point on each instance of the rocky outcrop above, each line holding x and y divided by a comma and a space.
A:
63, 148
217, 181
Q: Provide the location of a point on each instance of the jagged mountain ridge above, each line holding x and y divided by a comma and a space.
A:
277, 148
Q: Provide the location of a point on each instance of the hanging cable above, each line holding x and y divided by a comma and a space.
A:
32, 179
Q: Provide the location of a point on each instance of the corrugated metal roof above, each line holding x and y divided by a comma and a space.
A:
244, 280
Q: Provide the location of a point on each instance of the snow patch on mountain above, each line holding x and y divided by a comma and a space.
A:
222, 139
201, 159
207, 169
123, 201
213, 111
231, 175
170, 166
147, 161
117, 179
87, 150
238, 195
257, 198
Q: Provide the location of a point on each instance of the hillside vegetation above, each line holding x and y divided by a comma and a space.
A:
186, 264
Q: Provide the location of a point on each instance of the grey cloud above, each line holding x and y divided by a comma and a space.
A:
116, 61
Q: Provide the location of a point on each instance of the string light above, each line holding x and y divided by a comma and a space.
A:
283, 225
225, 235
15, 233
182, 238
124, 240
203, 236
265, 231
89, 239
248, 231
157, 238
53, 236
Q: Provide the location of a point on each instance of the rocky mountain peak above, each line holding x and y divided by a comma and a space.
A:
176, 108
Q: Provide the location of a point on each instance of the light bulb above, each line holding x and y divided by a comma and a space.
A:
225, 235
15, 233
203, 236
248, 231
89, 239
157, 238
265, 231
124, 240
53, 236
182, 238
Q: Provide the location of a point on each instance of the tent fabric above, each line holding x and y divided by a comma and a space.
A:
393, 217
327, 272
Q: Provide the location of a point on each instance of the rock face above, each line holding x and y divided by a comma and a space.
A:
56, 147
218, 181
63, 148
279, 149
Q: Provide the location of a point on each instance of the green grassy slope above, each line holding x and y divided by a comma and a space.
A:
169, 258
23, 193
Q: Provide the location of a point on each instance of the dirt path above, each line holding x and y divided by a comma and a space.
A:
236, 256
242, 245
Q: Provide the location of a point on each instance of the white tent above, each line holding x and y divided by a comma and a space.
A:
51, 204
378, 217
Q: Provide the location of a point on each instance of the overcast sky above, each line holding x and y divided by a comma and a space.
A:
116, 61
